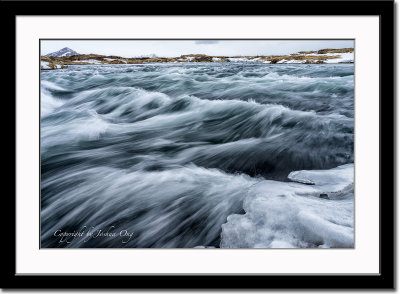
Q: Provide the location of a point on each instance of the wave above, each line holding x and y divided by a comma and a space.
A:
48, 102
182, 207
209, 133
300, 87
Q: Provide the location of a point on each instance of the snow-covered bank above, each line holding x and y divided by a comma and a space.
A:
92, 61
344, 55
44, 65
315, 211
347, 57
50, 65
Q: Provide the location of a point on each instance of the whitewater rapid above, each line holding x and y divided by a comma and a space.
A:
174, 153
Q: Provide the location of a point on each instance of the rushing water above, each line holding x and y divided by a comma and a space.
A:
168, 151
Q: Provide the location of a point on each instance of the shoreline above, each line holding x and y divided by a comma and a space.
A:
170, 63
324, 56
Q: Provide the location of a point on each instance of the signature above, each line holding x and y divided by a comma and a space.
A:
92, 233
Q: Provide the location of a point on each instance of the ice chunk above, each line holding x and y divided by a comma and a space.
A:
289, 215
332, 181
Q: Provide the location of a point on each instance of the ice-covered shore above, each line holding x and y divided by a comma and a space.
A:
315, 210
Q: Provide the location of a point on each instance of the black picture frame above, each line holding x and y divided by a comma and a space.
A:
384, 9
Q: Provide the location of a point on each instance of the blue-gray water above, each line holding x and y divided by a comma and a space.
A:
168, 151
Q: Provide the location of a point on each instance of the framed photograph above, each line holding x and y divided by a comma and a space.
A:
233, 146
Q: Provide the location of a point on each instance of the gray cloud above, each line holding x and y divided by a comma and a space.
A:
205, 42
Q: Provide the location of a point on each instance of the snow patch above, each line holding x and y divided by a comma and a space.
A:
295, 61
344, 57
89, 61
238, 59
44, 65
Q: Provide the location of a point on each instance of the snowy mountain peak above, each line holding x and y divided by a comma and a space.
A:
63, 52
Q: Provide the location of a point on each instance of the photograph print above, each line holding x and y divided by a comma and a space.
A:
208, 144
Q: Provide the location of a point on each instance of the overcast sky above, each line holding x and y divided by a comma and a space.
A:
129, 48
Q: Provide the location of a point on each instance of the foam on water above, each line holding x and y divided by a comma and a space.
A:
48, 102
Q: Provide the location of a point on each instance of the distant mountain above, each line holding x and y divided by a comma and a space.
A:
63, 52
